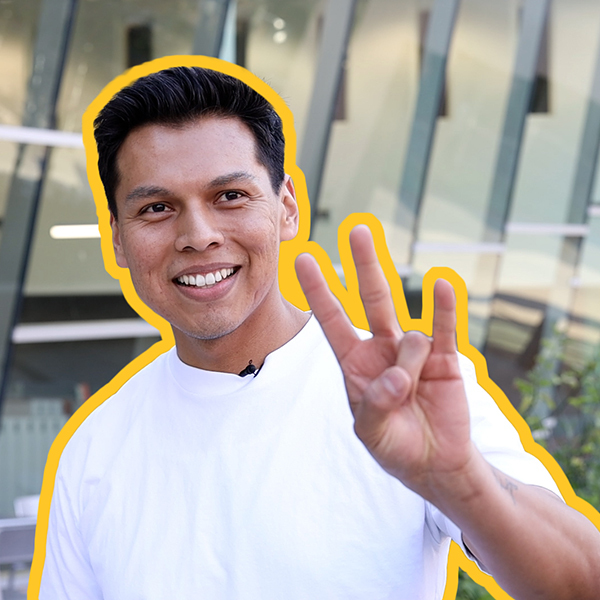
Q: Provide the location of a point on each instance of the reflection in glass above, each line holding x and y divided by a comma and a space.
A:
18, 28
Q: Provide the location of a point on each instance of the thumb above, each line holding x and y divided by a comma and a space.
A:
383, 395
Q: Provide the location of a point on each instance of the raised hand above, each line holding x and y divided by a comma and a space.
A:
405, 390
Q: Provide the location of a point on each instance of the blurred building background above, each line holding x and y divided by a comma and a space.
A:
469, 128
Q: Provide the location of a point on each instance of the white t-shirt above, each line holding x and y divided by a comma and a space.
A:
192, 484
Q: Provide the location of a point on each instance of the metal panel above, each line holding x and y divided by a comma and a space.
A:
212, 15
562, 296
533, 22
16, 539
339, 16
54, 26
211, 25
431, 89
535, 15
581, 195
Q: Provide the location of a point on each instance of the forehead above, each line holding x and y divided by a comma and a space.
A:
202, 150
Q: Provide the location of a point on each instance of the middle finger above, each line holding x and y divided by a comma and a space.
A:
373, 286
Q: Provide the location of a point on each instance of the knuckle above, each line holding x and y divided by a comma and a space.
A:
416, 339
375, 296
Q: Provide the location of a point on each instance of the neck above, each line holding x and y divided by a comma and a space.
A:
252, 340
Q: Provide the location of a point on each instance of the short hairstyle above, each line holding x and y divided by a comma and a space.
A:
179, 96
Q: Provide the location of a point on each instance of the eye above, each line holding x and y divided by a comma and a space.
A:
229, 196
156, 208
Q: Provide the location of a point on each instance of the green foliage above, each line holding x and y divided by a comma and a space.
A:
469, 590
561, 404
562, 407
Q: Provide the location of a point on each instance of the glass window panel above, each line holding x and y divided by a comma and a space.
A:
26, 434
466, 143
584, 326
365, 160
551, 143
18, 29
48, 382
69, 370
543, 189
8, 156
66, 266
282, 42
99, 49
366, 150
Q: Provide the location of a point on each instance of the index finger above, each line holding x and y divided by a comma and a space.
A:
332, 317
444, 318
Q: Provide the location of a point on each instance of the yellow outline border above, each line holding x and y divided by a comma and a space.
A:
290, 288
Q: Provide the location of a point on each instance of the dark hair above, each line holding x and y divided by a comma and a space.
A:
178, 96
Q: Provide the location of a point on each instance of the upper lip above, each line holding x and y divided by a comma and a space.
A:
204, 269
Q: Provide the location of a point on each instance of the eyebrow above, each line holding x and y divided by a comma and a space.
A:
237, 176
147, 191
155, 191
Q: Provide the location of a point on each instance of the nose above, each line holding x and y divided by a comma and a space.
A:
198, 228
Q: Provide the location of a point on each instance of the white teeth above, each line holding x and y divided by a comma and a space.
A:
205, 280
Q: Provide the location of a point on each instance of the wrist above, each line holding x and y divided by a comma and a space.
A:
462, 493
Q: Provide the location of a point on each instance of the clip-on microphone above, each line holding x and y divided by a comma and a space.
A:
249, 370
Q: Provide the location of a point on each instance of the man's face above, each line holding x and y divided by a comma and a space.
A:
199, 225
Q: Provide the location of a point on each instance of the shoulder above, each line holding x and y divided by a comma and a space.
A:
130, 397
100, 436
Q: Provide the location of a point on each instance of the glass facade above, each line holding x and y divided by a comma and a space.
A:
543, 263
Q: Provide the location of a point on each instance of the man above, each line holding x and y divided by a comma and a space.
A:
195, 482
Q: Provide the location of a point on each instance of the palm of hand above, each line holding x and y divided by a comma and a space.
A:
405, 390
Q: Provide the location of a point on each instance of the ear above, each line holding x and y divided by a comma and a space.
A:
117, 245
289, 210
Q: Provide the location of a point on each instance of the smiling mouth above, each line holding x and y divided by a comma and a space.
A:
207, 280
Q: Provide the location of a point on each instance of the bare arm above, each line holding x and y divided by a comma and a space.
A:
408, 400
533, 544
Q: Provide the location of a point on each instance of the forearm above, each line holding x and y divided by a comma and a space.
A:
533, 544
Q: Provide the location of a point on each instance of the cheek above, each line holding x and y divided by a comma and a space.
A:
262, 235
266, 248
145, 258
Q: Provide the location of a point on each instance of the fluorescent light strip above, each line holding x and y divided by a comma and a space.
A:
567, 229
474, 248
40, 137
594, 210
74, 232
72, 331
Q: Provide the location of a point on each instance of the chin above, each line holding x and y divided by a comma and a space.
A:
209, 331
